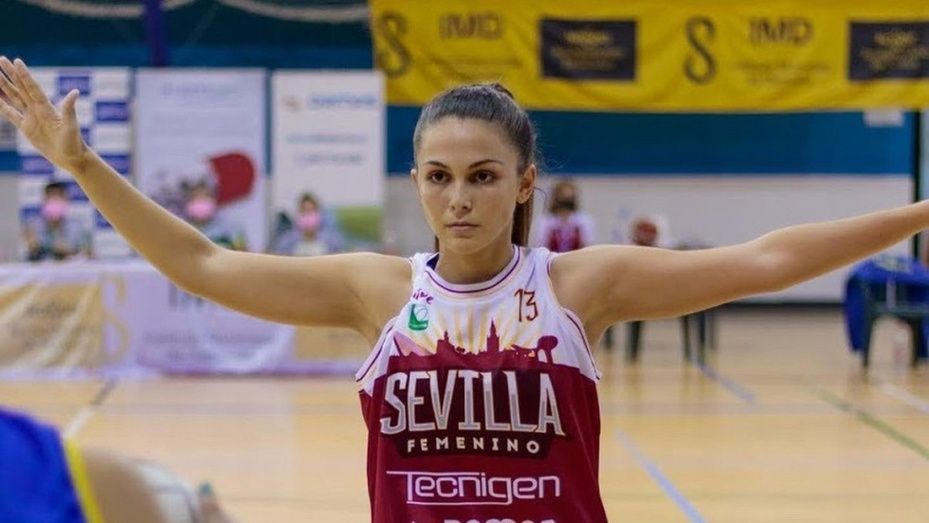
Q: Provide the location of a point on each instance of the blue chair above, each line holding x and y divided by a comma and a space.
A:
887, 286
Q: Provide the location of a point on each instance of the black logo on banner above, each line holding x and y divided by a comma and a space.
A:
792, 30
396, 60
589, 49
888, 50
700, 66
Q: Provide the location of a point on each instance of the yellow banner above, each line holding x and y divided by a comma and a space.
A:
660, 55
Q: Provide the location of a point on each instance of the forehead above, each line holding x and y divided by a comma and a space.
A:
455, 140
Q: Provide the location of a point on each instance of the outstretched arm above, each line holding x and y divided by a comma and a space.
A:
644, 283
320, 291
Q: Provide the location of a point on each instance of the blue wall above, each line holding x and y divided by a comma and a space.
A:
695, 144
199, 34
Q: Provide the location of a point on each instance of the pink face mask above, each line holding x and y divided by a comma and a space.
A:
309, 221
201, 208
54, 209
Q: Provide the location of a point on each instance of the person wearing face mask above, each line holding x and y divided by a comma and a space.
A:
565, 228
201, 212
53, 235
310, 233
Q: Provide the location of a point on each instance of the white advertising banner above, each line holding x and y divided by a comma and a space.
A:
126, 319
204, 130
173, 331
328, 140
103, 112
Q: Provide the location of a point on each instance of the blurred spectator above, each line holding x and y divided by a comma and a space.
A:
201, 211
312, 233
565, 227
53, 235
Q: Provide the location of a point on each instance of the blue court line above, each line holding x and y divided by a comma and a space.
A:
652, 469
729, 384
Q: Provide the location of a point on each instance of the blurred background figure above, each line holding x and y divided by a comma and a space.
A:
647, 229
200, 210
52, 234
644, 230
565, 227
313, 232
650, 230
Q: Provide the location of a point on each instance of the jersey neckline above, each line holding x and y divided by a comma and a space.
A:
473, 288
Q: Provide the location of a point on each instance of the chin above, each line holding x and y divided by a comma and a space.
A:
463, 245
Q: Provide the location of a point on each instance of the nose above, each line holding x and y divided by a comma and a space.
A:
461, 199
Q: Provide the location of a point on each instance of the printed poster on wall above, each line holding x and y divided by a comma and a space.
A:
200, 145
104, 115
328, 145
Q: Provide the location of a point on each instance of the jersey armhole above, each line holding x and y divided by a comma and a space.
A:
572, 317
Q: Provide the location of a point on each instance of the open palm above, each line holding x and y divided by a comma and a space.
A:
54, 132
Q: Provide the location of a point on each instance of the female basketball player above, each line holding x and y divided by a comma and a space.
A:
479, 393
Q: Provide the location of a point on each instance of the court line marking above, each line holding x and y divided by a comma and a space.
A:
869, 420
729, 384
655, 472
906, 397
87, 411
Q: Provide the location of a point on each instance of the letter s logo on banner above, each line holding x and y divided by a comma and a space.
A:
395, 61
700, 31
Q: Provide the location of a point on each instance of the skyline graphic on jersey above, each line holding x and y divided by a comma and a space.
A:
445, 349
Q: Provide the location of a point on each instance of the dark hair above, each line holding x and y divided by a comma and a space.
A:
555, 204
309, 197
198, 185
490, 103
51, 187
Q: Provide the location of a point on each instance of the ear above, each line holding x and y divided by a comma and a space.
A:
527, 184
413, 179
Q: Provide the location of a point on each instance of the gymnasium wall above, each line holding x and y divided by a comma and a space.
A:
717, 179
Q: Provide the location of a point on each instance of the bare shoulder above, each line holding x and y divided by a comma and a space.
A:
580, 277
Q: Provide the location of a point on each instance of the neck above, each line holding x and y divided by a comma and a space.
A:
475, 267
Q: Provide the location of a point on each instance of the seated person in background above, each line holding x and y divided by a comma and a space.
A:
312, 233
53, 235
201, 212
565, 228
644, 232
46, 478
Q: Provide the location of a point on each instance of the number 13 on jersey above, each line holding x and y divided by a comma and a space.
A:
527, 309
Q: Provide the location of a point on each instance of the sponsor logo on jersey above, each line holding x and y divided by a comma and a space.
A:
474, 488
419, 317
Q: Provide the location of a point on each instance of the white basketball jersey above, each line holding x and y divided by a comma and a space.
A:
481, 402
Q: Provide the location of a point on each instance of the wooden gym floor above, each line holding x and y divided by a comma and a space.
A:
780, 425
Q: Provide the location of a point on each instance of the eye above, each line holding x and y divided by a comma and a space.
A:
484, 177
437, 177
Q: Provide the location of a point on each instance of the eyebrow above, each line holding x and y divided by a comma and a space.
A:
472, 166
